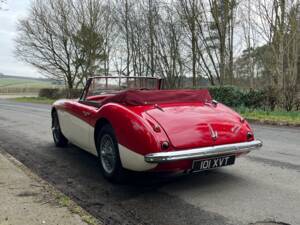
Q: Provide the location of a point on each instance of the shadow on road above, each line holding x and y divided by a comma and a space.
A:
140, 201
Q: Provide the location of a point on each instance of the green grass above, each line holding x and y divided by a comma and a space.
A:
23, 85
40, 100
275, 117
19, 82
65, 201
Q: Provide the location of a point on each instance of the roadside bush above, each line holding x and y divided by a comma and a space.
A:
272, 97
52, 93
56, 93
254, 99
73, 93
297, 104
228, 95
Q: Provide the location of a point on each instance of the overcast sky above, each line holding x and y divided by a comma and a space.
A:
16, 9
9, 65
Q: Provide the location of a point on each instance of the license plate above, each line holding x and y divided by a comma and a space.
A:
212, 163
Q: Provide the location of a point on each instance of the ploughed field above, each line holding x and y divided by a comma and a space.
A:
263, 186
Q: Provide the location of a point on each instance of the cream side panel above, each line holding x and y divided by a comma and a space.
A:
81, 134
64, 124
134, 161
93, 148
77, 131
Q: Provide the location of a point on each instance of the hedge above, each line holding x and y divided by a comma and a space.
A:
235, 97
56, 93
229, 95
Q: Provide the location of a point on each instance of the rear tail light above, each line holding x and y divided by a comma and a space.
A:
164, 145
250, 136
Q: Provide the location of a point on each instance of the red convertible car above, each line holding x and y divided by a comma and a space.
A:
131, 124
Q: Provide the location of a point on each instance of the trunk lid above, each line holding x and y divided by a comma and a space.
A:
198, 125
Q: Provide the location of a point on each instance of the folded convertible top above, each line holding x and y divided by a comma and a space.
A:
149, 97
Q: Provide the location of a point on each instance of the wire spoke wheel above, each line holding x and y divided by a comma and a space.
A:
107, 154
55, 128
59, 139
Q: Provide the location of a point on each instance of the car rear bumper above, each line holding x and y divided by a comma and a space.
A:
205, 152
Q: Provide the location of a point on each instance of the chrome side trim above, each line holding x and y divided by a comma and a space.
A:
198, 153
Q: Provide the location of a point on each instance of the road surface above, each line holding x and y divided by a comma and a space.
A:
263, 186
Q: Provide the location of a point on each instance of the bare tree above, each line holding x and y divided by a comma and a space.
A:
169, 49
109, 34
222, 12
209, 58
291, 57
189, 12
174, 39
60, 38
89, 39
246, 15
137, 22
151, 22
2, 3
122, 18
279, 26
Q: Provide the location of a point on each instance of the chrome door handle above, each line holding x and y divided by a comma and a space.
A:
85, 113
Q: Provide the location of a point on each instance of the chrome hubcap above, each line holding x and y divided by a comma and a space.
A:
107, 153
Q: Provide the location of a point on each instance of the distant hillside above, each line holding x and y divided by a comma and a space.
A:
16, 84
23, 77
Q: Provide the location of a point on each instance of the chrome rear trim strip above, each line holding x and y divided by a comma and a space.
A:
205, 152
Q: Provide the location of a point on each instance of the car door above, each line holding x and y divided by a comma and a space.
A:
79, 129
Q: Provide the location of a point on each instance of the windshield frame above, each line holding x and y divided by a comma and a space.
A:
85, 91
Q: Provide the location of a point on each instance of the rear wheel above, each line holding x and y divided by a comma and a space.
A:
108, 153
59, 139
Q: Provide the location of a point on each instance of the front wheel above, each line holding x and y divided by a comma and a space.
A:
108, 153
59, 139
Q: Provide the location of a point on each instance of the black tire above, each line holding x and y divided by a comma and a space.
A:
115, 173
59, 139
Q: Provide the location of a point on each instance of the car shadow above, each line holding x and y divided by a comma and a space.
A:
76, 173
155, 180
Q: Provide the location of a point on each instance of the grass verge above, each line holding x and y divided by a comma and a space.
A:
271, 117
40, 100
65, 201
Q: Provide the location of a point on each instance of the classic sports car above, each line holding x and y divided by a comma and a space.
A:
131, 124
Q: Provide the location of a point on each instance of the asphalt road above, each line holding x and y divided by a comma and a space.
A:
263, 186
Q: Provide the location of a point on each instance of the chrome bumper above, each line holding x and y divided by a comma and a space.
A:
205, 152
